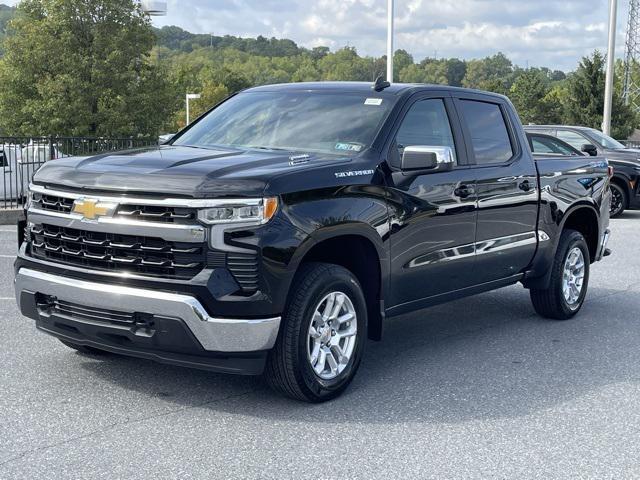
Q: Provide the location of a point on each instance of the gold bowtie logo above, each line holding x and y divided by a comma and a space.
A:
91, 209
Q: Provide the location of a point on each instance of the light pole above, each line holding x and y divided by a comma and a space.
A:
608, 91
390, 41
191, 96
154, 8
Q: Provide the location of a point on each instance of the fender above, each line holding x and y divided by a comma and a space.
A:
357, 229
539, 275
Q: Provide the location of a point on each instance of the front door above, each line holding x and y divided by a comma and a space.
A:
433, 218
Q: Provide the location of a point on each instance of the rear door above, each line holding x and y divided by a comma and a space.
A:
506, 187
433, 217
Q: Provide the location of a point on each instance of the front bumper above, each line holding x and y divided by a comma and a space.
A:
165, 322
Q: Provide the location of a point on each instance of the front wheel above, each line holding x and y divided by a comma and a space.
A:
569, 279
322, 337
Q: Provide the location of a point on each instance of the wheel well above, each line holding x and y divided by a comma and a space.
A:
358, 255
622, 183
585, 221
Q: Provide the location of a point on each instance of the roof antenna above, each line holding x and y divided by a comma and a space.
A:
380, 84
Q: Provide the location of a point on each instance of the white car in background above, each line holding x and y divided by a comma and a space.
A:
18, 163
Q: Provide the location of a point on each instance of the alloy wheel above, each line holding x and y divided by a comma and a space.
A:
573, 277
332, 335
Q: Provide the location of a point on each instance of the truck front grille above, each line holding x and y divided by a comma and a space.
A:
120, 253
141, 213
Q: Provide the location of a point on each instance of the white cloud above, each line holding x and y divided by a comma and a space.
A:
554, 33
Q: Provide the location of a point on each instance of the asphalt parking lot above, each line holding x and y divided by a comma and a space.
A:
479, 388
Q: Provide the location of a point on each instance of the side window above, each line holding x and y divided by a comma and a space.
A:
550, 145
572, 138
560, 148
425, 124
540, 147
489, 134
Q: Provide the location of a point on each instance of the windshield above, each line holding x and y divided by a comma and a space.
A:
336, 123
605, 140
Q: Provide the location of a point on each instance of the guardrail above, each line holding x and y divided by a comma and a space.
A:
20, 158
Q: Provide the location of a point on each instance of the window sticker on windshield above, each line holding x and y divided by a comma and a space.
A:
373, 101
348, 147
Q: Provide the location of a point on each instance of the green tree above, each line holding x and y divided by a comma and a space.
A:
401, 60
585, 102
528, 95
80, 67
491, 73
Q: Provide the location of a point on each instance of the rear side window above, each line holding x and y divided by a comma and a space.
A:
572, 138
549, 145
489, 134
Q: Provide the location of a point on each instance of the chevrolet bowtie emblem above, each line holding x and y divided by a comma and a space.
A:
91, 209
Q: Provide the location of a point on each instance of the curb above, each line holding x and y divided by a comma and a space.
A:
11, 217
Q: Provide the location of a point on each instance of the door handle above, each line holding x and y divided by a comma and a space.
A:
525, 186
463, 191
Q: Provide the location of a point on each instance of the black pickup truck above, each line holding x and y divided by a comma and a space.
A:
277, 232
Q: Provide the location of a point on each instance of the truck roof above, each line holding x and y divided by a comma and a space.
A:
574, 127
364, 87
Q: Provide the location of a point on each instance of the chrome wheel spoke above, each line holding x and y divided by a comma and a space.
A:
337, 307
333, 364
313, 333
328, 307
314, 353
322, 359
349, 332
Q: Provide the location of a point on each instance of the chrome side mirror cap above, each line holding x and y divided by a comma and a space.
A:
427, 159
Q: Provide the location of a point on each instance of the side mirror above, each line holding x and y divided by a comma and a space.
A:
590, 149
426, 159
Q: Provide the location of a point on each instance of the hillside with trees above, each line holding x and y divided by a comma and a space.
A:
44, 91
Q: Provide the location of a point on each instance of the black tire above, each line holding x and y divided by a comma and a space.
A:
619, 201
288, 369
551, 302
84, 349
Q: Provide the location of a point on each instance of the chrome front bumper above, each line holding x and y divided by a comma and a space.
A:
214, 334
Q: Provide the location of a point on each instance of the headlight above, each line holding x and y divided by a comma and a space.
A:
256, 211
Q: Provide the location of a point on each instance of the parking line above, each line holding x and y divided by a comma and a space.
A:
7, 298
7, 256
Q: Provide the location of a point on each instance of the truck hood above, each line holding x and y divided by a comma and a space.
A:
179, 170
628, 155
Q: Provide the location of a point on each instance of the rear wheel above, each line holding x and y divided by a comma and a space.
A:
84, 349
618, 200
323, 335
569, 279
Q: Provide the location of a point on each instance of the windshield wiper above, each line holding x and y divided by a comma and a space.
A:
258, 147
202, 147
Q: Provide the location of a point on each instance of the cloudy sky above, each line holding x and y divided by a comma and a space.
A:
554, 33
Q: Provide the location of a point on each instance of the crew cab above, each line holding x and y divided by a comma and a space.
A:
625, 183
277, 232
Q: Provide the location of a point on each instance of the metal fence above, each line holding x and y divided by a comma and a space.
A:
630, 143
20, 158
